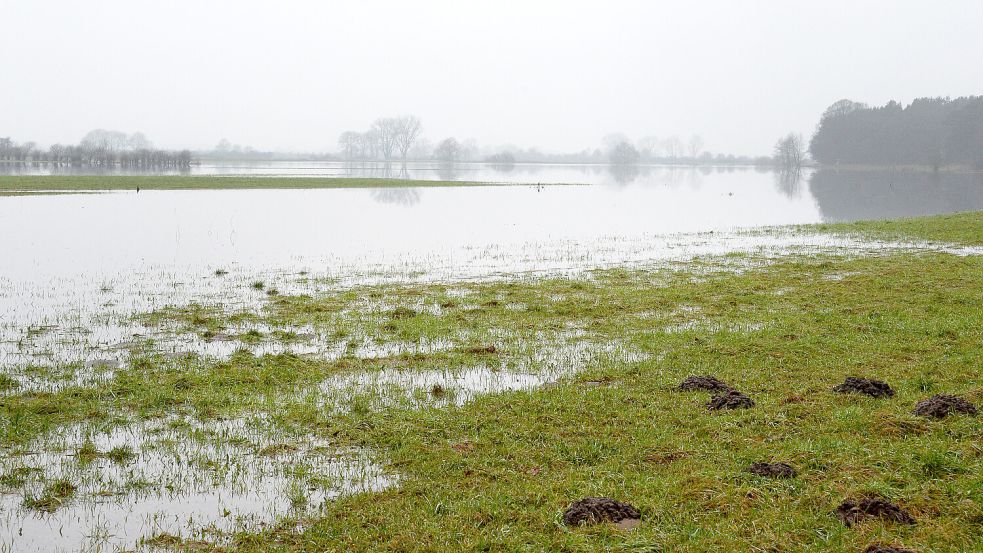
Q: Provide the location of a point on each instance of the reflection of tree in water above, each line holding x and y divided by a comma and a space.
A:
844, 195
447, 171
374, 170
623, 173
788, 181
398, 196
502, 167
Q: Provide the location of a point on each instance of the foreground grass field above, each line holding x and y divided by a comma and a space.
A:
495, 473
26, 184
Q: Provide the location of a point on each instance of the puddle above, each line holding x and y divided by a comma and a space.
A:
174, 476
439, 387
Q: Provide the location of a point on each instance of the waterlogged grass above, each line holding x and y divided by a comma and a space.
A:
959, 228
10, 185
496, 472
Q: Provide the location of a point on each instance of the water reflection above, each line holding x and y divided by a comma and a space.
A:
624, 173
857, 195
788, 181
525, 173
397, 196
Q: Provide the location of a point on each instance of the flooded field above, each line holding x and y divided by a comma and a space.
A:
95, 288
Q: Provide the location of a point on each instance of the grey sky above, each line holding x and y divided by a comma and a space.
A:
554, 74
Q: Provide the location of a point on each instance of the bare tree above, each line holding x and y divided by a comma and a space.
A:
137, 141
408, 129
100, 139
612, 140
673, 147
349, 143
386, 129
649, 147
449, 149
695, 146
624, 154
790, 152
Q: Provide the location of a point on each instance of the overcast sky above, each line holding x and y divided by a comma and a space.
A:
559, 75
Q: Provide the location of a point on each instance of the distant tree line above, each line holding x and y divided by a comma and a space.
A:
929, 131
99, 148
618, 149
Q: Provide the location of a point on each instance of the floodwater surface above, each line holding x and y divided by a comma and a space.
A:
77, 271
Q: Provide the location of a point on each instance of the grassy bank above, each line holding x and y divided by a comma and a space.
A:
959, 228
495, 473
21, 184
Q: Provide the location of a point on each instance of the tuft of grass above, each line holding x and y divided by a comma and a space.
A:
121, 454
87, 452
54, 495
8, 383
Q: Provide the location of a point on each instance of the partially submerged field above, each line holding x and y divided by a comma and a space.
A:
584, 372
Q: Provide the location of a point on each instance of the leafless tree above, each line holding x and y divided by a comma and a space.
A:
386, 129
790, 152
137, 141
449, 149
408, 129
624, 154
349, 143
649, 147
673, 147
695, 146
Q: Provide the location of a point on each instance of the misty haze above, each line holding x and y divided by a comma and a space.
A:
456, 276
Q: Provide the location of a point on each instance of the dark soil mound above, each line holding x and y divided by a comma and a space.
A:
594, 510
853, 511
730, 399
941, 406
886, 549
703, 384
866, 386
773, 470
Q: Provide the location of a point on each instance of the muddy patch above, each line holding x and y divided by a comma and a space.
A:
852, 511
886, 549
730, 399
865, 386
595, 510
773, 470
702, 384
941, 406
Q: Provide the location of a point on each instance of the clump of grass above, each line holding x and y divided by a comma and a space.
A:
17, 476
273, 450
251, 336
52, 497
220, 272
121, 454
8, 383
87, 452
258, 285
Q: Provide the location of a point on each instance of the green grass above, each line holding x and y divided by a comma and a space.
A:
34, 184
496, 473
959, 228
54, 495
